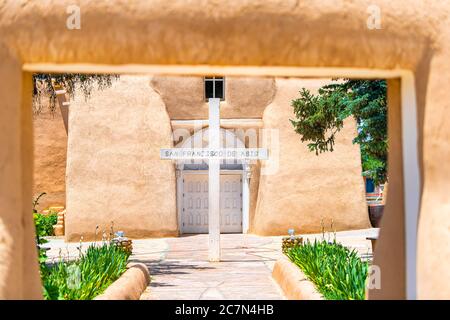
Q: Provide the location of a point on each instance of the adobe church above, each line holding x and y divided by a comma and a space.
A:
100, 158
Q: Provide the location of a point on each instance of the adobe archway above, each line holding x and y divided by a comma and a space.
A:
182, 39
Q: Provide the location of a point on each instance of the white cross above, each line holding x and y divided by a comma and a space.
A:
214, 154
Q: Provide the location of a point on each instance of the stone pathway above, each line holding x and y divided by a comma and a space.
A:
180, 268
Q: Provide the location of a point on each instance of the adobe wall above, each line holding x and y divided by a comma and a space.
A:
50, 150
19, 273
306, 188
114, 171
433, 252
391, 251
184, 97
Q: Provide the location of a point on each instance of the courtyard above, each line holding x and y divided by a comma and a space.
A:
180, 270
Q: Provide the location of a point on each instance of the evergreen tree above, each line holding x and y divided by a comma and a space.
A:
319, 117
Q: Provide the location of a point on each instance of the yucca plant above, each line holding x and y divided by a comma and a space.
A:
86, 277
337, 272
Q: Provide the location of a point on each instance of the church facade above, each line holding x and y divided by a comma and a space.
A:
114, 175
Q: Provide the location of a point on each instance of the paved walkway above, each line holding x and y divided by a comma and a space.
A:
180, 269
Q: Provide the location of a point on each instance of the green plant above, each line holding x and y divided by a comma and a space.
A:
86, 277
318, 118
44, 223
42, 255
44, 227
337, 272
41, 231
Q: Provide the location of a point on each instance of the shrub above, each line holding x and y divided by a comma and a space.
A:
86, 277
337, 272
44, 223
44, 227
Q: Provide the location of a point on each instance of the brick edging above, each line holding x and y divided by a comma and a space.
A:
293, 282
130, 285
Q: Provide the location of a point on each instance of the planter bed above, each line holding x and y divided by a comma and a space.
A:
87, 276
130, 285
322, 270
293, 282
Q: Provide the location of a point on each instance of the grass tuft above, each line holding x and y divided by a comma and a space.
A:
337, 272
86, 277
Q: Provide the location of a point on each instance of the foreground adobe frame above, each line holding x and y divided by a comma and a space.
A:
33, 38
409, 145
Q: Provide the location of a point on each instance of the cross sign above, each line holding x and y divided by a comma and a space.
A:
214, 154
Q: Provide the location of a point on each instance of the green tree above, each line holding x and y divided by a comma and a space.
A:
43, 86
319, 117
